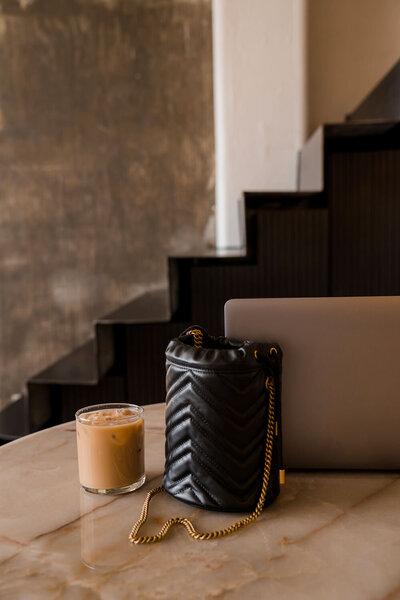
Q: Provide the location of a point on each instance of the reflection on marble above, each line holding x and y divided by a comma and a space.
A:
330, 535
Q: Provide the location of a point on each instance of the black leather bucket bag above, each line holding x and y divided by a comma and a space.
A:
223, 428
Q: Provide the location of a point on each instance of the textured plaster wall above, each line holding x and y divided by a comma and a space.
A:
106, 162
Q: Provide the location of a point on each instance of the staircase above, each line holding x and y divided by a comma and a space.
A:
339, 235
343, 240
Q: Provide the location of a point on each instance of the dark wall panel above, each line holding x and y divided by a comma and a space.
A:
145, 360
293, 251
292, 261
364, 199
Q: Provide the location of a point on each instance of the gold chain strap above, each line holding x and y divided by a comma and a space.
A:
198, 337
187, 524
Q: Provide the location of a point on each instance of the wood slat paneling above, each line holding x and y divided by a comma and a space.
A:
364, 200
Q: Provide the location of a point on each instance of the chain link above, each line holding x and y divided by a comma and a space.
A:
198, 337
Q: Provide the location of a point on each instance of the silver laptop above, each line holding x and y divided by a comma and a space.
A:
341, 376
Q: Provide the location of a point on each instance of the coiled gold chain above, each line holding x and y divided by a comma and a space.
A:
187, 524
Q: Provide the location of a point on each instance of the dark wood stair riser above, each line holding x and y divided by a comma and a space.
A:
364, 198
293, 251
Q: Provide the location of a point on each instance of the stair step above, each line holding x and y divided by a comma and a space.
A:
383, 101
151, 306
79, 366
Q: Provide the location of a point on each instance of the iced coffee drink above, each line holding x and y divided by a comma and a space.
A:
110, 441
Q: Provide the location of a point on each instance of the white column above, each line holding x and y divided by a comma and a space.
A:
258, 48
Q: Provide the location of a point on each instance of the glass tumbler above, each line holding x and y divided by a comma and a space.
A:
110, 439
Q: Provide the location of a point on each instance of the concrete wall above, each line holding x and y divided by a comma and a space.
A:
258, 88
106, 162
351, 44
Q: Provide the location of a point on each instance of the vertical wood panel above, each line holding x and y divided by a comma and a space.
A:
364, 200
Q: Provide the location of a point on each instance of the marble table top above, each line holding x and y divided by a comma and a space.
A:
329, 535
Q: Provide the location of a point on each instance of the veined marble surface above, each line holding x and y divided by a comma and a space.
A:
330, 535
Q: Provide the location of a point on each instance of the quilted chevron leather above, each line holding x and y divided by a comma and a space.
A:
216, 416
